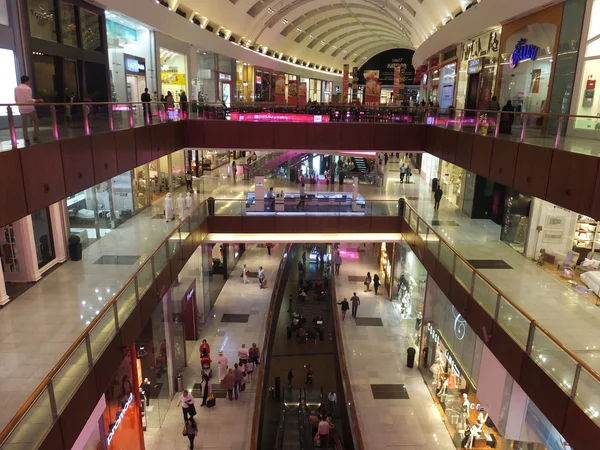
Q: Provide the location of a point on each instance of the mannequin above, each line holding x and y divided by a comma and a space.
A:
188, 202
168, 207
180, 206
465, 410
475, 433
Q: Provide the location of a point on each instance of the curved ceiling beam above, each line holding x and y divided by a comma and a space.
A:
368, 52
356, 47
363, 41
337, 39
332, 33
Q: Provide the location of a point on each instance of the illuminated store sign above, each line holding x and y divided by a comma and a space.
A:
134, 65
460, 327
119, 419
224, 77
475, 66
522, 52
481, 46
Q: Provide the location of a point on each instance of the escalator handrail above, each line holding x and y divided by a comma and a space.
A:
263, 357
281, 428
356, 432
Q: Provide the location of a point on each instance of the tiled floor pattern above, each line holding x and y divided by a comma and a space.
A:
227, 425
376, 357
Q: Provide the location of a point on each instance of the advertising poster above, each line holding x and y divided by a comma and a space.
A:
293, 92
302, 94
280, 89
372, 90
354, 84
397, 80
345, 83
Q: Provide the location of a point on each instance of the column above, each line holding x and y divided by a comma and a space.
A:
4, 298
259, 193
168, 320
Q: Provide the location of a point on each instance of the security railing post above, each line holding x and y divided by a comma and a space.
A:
497, 130
131, 119
111, 120
523, 128
11, 127
558, 131
86, 119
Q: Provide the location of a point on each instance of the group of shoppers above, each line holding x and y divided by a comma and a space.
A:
235, 378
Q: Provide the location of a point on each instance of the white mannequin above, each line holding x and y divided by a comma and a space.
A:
169, 207
444, 386
475, 433
180, 206
188, 202
465, 409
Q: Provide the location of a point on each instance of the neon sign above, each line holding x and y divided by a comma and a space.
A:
459, 325
522, 52
118, 422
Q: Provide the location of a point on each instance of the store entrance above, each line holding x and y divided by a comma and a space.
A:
472, 92
135, 87
225, 91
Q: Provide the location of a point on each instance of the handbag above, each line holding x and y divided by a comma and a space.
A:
317, 440
242, 387
192, 410
211, 401
184, 431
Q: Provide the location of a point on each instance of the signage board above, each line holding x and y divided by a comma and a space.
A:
522, 52
135, 65
483, 45
475, 66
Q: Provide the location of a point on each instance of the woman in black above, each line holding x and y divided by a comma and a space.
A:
507, 119
183, 102
376, 282
207, 388
191, 431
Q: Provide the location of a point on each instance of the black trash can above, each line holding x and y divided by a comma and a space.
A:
434, 184
211, 206
321, 334
410, 357
401, 205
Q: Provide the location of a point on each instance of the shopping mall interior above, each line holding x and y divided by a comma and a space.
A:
255, 225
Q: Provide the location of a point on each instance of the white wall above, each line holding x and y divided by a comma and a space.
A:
541, 211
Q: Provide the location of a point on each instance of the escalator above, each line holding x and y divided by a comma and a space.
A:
282, 421
360, 165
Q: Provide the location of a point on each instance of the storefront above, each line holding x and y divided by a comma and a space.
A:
452, 182
244, 82
173, 62
213, 159
515, 227
477, 72
527, 59
386, 263
131, 56
430, 167
442, 81
218, 262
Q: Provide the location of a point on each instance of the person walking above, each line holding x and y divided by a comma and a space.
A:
309, 375
183, 104
24, 99
190, 430
332, 397
188, 180
249, 370
494, 105
376, 283
345, 308
204, 348
290, 378
355, 303
302, 197
323, 431
254, 354
170, 100
169, 215
437, 197
229, 382
223, 364
402, 173
243, 355
147, 106
368, 281
245, 273
261, 276
233, 169
269, 247
186, 401
207, 388
238, 376
338, 262
408, 174
290, 302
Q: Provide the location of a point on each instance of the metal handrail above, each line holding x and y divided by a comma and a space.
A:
261, 381
356, 431
501, 294
9, 428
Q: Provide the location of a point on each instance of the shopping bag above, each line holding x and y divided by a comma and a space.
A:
264, 283
317, 440
242, 387
211, 401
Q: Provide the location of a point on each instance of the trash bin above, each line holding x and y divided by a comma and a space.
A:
211, 206
410, 357
401, 205
180, 383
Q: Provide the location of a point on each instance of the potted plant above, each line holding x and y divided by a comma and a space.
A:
75, 248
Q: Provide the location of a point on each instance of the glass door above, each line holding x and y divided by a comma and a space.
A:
42, 234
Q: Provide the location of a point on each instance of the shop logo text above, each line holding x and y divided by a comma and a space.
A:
523, 51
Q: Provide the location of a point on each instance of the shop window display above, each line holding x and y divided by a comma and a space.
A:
141, 187
173, 73
452, 180
42, 23
588, 102
515, 228
90, 30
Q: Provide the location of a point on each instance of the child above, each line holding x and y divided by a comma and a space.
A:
249, 370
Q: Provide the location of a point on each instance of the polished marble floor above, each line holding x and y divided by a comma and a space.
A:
227, 426
376, 355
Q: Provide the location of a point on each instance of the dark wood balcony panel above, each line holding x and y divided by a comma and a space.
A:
78, 410
132, 328
506, 350
428, 260
292, 136
449, 144
226, 224
458, 296
47, 186
259, 135
259, 224
108, 363
148, 304
222, 134
13, 206
325, 224
126, 151
77, 164
435, 141
357, 136
143, 146
164, 280
104, 155
169, 140
180, 134
299, 224
579, 430
176, 262
358, 224
384, 224
533, 170
464, 150
54, 439
194, 133
572, 181
158, 134
504, 161
478, 318
323, 136
442, 277
413, 137
481, 157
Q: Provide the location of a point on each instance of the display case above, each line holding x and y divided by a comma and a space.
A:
586, 234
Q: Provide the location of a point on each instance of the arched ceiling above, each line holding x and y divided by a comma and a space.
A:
327, 32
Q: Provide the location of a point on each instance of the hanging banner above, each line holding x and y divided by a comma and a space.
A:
345, 83
354, 84
292, 92
302, 94
397, 80
280, 89
372, 90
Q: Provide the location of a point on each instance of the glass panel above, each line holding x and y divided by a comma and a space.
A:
407, 212
42, 233
41, 19
422, 229
389, 208
553, 360
44, 69
513, 322
446, 256
464, 274
233, 207
485, 295
102, 333
68, 26
160, 259
588, 395
70, 376
126, 302
90, 30
174, 243
413, 221
32, 429
144, 278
